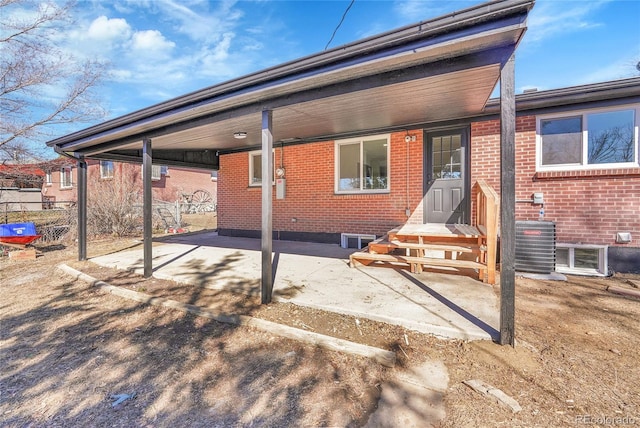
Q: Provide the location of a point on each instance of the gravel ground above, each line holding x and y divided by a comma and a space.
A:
68, 350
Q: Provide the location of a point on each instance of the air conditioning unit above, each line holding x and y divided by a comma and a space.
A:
535, 246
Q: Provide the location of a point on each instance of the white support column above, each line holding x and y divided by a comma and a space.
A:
147, 200
267, 208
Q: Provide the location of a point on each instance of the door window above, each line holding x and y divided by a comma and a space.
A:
446, 160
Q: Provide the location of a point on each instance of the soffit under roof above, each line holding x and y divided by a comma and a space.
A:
447, 76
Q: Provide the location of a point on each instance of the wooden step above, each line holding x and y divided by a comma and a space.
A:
414, 262
435, 230
380, 246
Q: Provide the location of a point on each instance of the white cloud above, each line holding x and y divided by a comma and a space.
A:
550, 18
199, 23
151, 41
105, 30
121, 74
164, 48
621, 69
415, 10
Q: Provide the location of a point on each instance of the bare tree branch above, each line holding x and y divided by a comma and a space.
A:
612, 145
41, 85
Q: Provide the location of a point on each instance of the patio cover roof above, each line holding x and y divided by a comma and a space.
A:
436, 70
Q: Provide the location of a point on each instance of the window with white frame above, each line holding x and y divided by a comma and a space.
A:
48, 180
255, 168
355, 240
106, 169
156, 172
588, 140
581, 259
66, 177
362, 165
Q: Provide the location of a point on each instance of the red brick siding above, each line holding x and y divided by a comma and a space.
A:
168, 188
183, 180
54, 191
310, 196
588, 206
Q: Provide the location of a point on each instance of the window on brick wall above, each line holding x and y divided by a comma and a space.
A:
157, 171
581, 259
66, 177
255, 168
362, 165
591, 139
106, 169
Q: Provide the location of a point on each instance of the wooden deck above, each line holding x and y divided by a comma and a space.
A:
454, 248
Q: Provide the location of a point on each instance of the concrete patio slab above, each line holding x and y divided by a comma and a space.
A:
319, 276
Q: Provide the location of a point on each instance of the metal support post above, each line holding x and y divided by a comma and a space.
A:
82, 209
267, 208
147, 206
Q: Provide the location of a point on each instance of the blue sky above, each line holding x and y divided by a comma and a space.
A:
160, 49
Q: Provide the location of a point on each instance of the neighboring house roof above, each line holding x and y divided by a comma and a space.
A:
440, 69
21, 169
622, 91
22, 176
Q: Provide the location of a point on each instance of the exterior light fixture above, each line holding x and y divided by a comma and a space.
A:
240, 135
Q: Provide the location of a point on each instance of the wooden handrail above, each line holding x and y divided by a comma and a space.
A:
486, 220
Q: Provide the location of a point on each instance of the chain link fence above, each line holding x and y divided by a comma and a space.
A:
53, 221
57, 222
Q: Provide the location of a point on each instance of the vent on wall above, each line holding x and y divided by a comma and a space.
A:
535, 246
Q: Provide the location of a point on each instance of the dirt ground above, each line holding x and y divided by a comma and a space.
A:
68, 350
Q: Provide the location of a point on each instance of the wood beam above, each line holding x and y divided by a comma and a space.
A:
507, 202
147, 162
267, 208
82, 210
201, 159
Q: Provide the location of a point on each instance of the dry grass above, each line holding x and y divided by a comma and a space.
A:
67, 347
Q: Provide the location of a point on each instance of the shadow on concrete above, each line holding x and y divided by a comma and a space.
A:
495, 334
212, 239
178, 257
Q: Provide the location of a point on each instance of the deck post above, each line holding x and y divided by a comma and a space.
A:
82, 209
147, 201
267, 208
507, 202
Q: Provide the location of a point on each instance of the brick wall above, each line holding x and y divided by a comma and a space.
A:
168, 188
54, 191
310, 196
183, 180
588, 207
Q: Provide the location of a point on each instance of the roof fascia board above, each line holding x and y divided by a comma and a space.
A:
488, 12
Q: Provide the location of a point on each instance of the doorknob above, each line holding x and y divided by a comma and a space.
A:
430, 179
